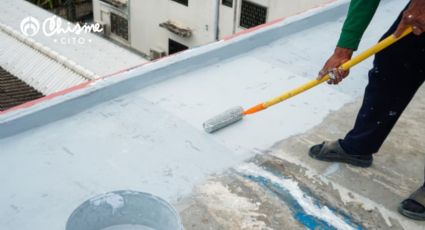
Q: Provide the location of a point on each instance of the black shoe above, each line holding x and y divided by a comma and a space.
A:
333, 152
414, 206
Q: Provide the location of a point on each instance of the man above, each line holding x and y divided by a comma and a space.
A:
397, 73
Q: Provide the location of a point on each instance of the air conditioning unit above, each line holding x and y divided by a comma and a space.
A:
106, 29
157, 53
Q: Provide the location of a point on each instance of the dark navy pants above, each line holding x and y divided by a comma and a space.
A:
397, 73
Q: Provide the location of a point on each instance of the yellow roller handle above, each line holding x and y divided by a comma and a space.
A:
346, 66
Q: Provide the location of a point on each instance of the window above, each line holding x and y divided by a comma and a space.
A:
252, 14
119, 26
183, 2
116, 3
228, 3
175, 47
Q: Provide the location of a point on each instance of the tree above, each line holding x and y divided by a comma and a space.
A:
47, 3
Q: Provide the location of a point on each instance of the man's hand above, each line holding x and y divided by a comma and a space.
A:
340, 56
414, 16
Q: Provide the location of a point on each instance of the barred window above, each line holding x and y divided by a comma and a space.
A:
119, 26
252, 14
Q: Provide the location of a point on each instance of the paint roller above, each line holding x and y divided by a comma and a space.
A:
236, 114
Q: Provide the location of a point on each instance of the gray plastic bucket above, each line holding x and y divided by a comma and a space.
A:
125, 208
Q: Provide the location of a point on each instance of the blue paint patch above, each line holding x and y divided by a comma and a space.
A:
312, 222
309, 221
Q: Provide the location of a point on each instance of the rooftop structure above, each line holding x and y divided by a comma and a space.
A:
49, 63
141, 130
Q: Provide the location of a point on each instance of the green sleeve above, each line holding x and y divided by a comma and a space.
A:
360, 14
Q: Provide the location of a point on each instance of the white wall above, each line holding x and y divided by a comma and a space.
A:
96, 10
228, 19
275, 9
146, 15
200, 16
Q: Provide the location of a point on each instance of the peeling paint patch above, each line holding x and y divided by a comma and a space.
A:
333, 168
308, 210
348, 196
243, 213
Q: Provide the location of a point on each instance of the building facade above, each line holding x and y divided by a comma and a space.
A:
162, 27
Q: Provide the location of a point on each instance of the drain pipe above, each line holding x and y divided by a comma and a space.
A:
68, 63
235, 15
217, 20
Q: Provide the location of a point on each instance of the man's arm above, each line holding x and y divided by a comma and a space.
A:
360, 14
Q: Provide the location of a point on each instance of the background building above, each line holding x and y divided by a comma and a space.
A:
161, 27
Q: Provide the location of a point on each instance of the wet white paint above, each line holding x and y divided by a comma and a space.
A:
225, 85
126, 144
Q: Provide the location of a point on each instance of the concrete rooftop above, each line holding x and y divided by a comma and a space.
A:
141, 130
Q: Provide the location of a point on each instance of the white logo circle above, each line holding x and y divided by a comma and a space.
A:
30, 26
